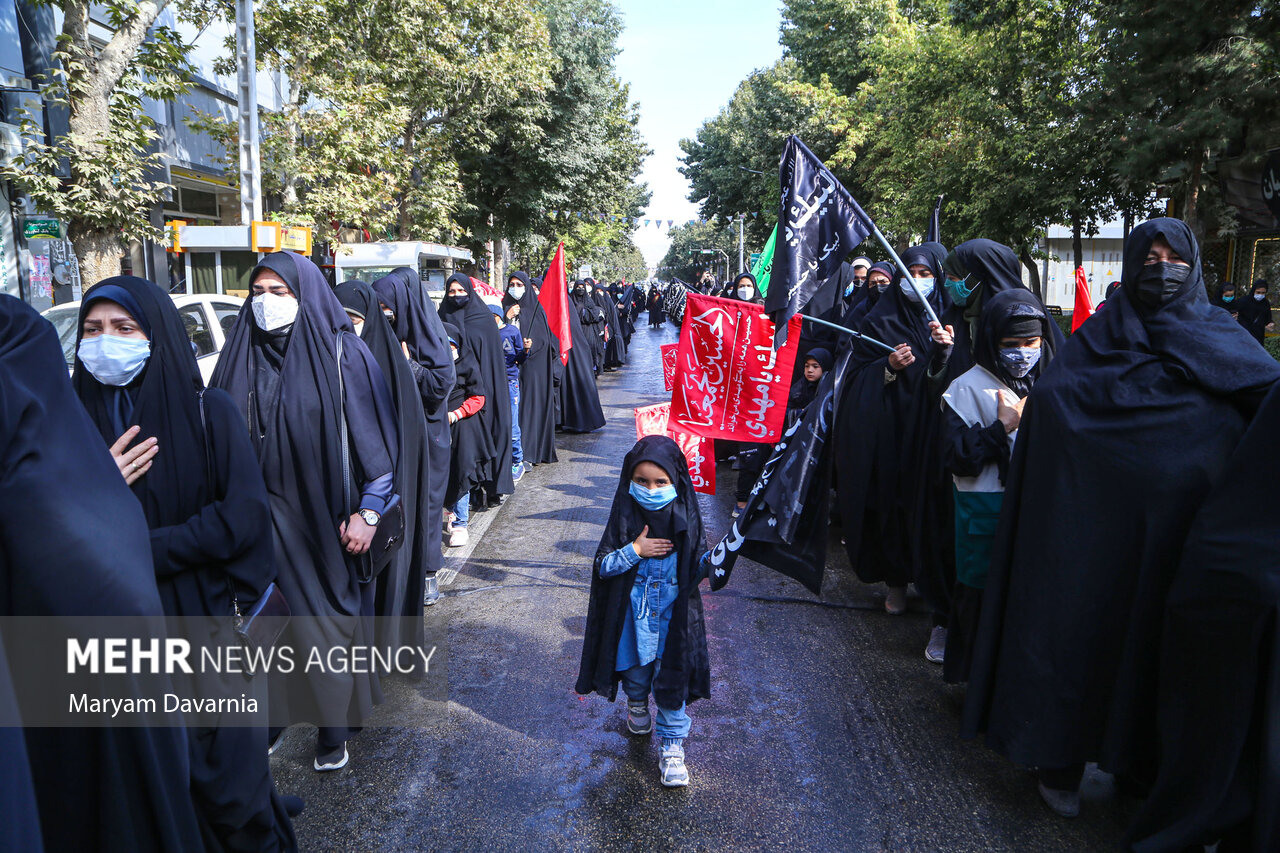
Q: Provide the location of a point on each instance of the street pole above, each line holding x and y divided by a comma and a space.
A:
247, 107
742, 220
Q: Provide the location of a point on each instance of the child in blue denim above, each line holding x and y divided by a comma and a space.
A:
644, 622
514, 353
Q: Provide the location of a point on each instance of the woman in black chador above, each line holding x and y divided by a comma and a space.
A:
1118, 444
464, 308
579, 398
421, 334
206, 505
537, 374
399, 587
594, 322
281, 367
119, 789
615, 345
654, 304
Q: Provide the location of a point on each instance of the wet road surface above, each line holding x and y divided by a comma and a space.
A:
827, 729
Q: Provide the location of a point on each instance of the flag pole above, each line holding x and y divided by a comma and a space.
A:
933, 317
848, 331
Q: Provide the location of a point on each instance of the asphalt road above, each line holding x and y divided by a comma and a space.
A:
827, 729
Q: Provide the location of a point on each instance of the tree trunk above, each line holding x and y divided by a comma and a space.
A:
1033, 273
1077, 245
98, 251
1190, 214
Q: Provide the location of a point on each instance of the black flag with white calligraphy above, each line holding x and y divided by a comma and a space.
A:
784, 524
819, 225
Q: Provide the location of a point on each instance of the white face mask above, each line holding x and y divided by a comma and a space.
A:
1259, 296
454, 351
114, 359
745, 293
516, 292
925, 285
359, 326
273, 313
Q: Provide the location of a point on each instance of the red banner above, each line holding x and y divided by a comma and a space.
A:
486, 291
699, 452
729, 381
669, 365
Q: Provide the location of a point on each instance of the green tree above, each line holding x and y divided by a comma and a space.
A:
99, 177
688, 256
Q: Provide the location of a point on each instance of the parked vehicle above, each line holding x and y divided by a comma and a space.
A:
208, 318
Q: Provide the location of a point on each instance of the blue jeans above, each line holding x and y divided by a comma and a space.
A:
637, 682
462, 510
517, 454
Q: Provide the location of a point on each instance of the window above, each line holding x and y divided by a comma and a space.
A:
236, 267
204, 273
226, 314
197, 326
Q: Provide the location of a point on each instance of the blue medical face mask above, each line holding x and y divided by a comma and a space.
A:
1019, 360
113, 359
925, 285
959, 291
653, 498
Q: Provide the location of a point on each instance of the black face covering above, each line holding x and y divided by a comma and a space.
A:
461, 299
1158, 283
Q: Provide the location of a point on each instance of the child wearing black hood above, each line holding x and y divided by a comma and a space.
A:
644, 620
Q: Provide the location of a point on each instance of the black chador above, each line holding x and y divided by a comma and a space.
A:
284, 383
482, 340
579, 398
1119, 443
418, 327
113, 788
537, 374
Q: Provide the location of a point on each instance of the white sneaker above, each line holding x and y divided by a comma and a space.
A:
458, 537
432, 592
936, 651
671, 765
335, 760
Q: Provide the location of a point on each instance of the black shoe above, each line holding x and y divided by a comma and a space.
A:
335, 759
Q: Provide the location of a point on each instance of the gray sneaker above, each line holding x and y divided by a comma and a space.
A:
432, 593
639, 720
936, 651
671, 764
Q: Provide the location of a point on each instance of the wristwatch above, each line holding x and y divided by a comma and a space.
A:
370, 517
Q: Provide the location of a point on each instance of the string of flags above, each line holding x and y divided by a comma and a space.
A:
637, 222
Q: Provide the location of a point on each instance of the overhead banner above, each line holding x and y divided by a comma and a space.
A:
669, 365
699, 452
730, 382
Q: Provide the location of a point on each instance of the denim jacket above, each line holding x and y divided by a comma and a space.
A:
645, 634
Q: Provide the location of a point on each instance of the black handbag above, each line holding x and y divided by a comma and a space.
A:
267, 617
389, 534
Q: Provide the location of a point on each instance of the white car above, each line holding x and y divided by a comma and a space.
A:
208, 318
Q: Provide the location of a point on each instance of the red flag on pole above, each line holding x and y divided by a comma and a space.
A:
699, 452
554, 299
669, 364
1084, 303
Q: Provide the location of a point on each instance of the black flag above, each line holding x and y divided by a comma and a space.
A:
820, 224
784, 524
934, 234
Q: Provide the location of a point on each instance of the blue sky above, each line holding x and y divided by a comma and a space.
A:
684, 59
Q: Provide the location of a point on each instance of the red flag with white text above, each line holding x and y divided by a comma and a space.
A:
669, 364
730, 382
699, 452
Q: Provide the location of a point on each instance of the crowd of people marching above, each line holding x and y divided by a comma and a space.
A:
1080, 516
331, 409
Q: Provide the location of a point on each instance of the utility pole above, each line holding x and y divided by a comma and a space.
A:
742, 221
247, 106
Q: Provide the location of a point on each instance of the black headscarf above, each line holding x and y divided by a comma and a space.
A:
1012, 314
415, 323
685, 674
484, 343
897, 318
1147, 403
